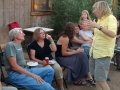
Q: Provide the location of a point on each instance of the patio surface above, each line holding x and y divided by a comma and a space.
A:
113, 74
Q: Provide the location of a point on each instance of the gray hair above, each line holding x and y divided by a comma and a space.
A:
13, 32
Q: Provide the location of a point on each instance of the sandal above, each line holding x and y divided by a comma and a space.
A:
81, 83
91, 81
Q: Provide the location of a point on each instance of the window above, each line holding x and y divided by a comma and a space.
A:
41, 7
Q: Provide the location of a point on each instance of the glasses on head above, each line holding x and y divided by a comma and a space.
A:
42, 33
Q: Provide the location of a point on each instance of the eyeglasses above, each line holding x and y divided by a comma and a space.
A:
20, 32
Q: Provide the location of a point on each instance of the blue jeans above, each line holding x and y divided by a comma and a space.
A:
29, 82
86, 50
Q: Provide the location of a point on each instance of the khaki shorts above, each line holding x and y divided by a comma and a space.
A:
99, 68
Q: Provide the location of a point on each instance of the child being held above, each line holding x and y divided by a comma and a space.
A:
86, 35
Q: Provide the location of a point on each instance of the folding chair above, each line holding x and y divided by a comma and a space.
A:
5, 79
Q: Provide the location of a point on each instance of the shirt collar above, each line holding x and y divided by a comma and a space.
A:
103, 17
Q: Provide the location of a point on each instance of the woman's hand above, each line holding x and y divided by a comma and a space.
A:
79, 50
49, 37
44, 62
92, 24
38, 78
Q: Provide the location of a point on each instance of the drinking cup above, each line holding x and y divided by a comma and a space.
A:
47, 60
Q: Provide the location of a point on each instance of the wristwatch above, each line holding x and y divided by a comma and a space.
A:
100, 28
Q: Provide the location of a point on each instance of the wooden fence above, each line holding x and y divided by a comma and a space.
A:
19, 11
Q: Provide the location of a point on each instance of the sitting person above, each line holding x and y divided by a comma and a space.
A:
75, 60
85, 35
76, 41
41, 47
77, 44
7, 87
18, 72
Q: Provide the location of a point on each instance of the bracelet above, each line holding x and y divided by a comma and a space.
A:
52, 42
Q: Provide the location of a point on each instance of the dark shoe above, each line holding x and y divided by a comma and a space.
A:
118, 68
92, 82
108, 79
81, 83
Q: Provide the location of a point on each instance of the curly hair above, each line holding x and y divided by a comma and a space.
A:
68, 30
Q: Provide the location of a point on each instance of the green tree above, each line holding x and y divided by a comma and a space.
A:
67, 11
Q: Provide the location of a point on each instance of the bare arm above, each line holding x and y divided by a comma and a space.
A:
52, 45
15, 67
107, 32
118, 36
85, 37
76, 40
32, 56
64, 42
104, 30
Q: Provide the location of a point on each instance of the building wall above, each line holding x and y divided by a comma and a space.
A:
18, 10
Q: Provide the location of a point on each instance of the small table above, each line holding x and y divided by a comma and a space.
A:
29, 33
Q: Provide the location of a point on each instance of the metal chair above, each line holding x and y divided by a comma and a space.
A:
5, 79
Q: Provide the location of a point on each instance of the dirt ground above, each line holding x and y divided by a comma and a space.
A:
113, 74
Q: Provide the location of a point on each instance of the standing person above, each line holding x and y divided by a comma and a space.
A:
76, 43
75, 60
41, 47
18, 72
102, 49
84, 16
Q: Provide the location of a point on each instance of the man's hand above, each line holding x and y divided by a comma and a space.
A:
38, 78
92, 24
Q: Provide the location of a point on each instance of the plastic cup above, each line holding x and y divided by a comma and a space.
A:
47, 60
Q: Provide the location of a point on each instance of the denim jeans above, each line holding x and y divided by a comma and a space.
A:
86, 50
29, 82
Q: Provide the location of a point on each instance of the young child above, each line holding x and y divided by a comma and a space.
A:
84, 16
86, 35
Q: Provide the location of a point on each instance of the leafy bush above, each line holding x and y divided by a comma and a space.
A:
70, 11
67, 11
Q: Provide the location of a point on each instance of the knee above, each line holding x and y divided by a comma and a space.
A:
57, 68
51, 70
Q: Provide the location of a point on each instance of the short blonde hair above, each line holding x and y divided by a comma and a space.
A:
88, 16
102, 7
36, 34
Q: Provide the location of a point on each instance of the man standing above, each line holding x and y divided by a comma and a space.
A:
102, 49
18, 73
